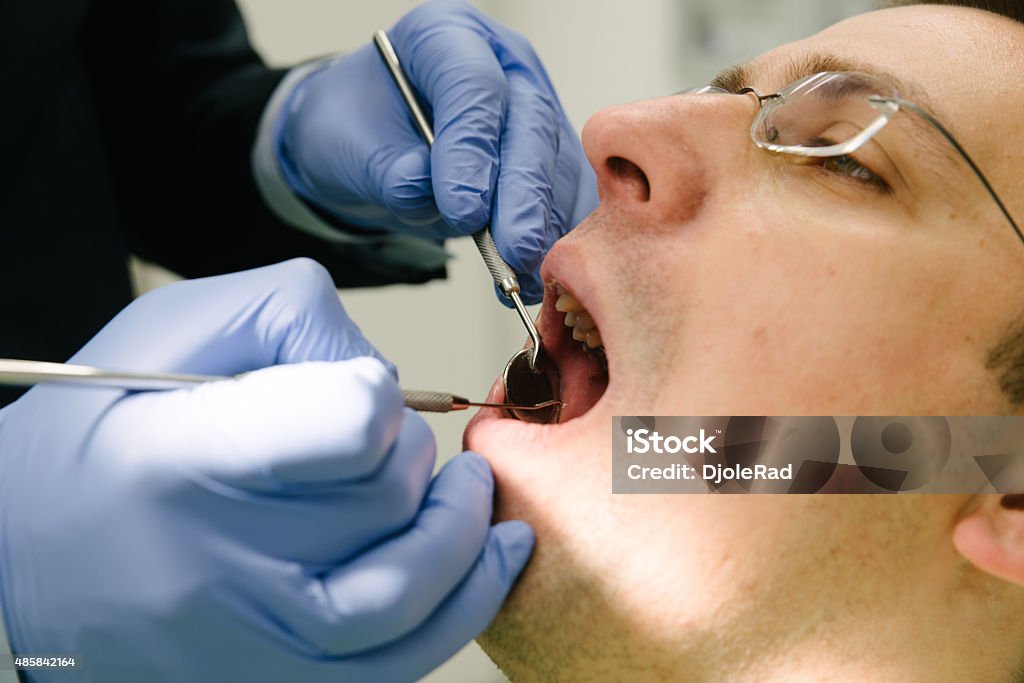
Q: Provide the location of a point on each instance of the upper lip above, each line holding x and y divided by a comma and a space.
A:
567, 266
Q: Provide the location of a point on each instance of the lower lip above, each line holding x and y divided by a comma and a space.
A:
495, 395
491, 426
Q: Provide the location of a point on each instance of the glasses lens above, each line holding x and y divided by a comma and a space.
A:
827, 114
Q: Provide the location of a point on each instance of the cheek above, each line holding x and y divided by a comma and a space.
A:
813, 321
560, 482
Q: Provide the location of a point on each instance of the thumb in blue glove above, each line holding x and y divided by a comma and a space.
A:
505, 152
282, 526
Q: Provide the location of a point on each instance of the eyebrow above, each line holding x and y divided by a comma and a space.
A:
741, 75
931, 140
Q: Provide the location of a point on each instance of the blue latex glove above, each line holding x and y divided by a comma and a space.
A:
505, 152
279, 527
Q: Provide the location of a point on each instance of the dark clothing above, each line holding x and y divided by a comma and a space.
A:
127, 126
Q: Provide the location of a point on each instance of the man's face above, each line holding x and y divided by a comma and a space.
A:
725, 280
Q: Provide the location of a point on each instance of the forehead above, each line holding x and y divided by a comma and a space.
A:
967, 65
971, 50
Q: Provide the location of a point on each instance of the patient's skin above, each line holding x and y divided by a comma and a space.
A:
746, 284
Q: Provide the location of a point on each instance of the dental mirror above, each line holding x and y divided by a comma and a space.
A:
525, 386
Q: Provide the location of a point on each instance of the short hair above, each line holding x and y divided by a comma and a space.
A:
1012, 9
1007, 358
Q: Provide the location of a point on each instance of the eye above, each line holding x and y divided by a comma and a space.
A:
846, 165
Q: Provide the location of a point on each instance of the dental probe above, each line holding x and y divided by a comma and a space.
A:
440, 402
500, 271
24, 373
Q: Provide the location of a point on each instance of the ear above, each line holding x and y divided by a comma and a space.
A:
991, 537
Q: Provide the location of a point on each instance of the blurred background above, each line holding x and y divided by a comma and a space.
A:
454, 335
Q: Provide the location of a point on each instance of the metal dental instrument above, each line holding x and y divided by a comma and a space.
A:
440, 402
24, 373
524, 386
503, 276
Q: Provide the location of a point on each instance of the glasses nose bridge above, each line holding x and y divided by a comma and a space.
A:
761, 99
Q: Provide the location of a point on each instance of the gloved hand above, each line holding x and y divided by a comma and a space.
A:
505, 152
278, 527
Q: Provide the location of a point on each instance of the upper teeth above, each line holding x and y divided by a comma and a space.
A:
581, 322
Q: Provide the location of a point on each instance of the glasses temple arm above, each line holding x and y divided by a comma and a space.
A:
967, 157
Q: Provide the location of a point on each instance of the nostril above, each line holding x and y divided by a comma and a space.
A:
628, 173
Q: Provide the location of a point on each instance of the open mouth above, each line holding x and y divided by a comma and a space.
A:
573, 343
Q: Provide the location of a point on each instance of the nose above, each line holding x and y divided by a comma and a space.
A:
662, 157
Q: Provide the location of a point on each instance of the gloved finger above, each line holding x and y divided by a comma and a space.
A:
457, 72
284, 427
359, 176
396, 190
224, 325
522, 222
462, 616
388, 591
406, 189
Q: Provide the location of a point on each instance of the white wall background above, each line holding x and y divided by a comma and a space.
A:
454, 335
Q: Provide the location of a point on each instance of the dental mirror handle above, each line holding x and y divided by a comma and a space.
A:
504, 277
25, 373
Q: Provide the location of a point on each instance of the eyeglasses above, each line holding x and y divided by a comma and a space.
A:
833, 114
